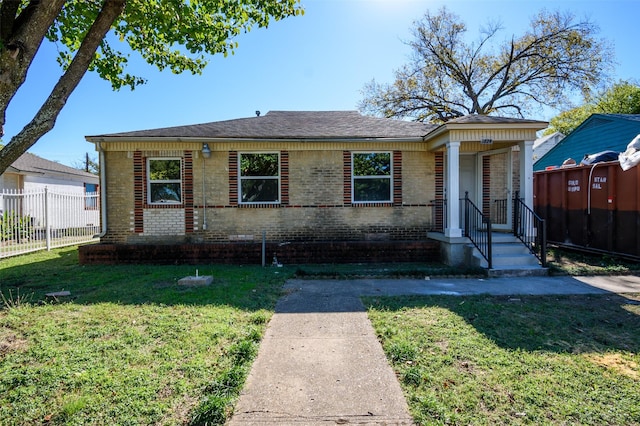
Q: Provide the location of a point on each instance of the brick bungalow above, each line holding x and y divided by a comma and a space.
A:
330, 186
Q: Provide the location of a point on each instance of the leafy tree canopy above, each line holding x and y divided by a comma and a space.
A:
448, 77
93, 35
621, 98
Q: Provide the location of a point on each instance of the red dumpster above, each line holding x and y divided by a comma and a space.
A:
594, 207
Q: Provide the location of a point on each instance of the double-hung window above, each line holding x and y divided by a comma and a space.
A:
259, 178
371, 177
164, 181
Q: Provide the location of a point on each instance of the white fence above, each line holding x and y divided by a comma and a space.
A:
44, 219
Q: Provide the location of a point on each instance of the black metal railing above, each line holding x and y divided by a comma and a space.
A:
530, 228
477, 227
499, 211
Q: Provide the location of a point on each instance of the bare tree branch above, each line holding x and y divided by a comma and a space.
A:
448, 77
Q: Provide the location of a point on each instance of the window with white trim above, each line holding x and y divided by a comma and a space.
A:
164, 181
371, 176
259, 175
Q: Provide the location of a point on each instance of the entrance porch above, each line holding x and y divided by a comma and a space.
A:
484, 185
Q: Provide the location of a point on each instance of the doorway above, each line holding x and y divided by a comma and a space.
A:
497, 182
468, 182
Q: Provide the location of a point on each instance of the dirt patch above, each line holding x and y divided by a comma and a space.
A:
11, 342
615, 362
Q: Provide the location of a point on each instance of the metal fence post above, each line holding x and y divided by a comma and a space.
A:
47, 218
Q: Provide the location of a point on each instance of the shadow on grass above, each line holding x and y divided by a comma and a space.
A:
559, 324
33, 276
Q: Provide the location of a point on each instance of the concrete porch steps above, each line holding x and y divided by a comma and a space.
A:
511, 258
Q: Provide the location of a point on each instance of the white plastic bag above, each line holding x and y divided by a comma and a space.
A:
631, 156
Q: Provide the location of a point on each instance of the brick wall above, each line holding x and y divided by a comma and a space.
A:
119, 168
318, 207
164, 222
251, 253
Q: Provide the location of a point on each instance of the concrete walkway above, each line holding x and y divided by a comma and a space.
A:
320, 362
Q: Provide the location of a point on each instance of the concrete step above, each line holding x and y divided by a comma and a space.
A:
514, 260
509, 248
519, 272
510, 258
500, 237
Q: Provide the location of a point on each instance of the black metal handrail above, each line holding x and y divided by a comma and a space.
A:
530, 228
499, 211
477, 227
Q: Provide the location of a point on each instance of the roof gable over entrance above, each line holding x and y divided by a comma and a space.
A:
482, 132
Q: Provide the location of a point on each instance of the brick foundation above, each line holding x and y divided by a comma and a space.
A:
251, 253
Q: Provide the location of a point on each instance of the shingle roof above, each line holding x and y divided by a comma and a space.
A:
489, 119
31, 163
292, 125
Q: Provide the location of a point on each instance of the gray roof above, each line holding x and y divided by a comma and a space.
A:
490, 119
291, 125
31, 163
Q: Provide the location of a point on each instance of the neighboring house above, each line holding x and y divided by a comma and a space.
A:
599, 132
544, 144
30, 174
328, 186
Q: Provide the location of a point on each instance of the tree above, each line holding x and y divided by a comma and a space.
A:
621, 98
447, 77
174, 34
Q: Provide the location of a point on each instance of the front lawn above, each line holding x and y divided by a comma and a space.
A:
129, 346
486, 360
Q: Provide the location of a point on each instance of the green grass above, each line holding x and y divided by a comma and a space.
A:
522, 360
129, 346
573, 262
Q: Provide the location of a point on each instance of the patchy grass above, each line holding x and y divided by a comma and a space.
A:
514, 360
129, 346
576, 263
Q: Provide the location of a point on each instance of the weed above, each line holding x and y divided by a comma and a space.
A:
15, 301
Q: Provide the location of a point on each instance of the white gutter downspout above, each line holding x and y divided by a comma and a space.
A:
103, 191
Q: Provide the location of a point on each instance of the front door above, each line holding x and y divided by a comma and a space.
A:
497, 182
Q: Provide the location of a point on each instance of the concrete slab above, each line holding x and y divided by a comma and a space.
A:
322, 367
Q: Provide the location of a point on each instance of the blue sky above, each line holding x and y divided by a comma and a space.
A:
318, 61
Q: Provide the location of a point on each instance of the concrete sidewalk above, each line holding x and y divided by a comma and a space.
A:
320, 361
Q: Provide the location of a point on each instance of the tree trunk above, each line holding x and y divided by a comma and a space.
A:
21, 39
45, 118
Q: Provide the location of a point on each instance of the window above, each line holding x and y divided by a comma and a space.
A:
164, 181
371, 174
90, 196
259, 178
